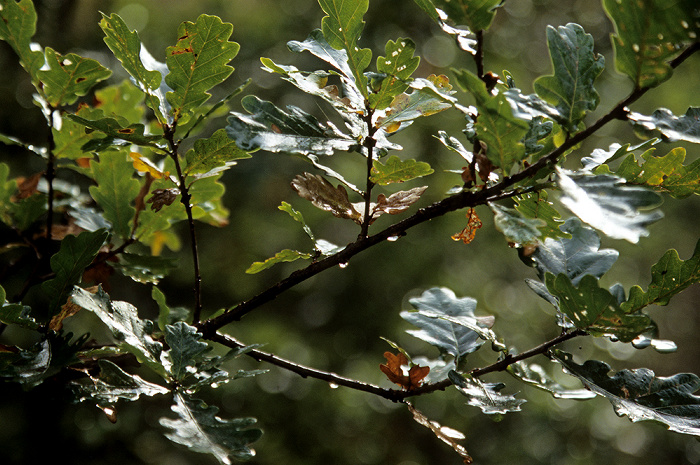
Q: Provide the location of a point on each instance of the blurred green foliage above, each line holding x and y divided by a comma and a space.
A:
335, 320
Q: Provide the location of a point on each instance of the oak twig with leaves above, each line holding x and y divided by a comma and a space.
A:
126, 143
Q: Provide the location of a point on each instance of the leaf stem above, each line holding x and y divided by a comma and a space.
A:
185, 198
50, 174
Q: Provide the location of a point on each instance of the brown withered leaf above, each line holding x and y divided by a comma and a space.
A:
392, 369
67, 310
396, 202
467, 234
447, 435
323, 195
26, 187
163, 197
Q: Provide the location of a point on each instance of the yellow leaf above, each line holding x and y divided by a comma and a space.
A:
144, 165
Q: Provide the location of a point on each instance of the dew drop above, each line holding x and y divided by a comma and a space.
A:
343, 265
392, 238
663, 346
692, 34
635, 47
685, 24
333, 386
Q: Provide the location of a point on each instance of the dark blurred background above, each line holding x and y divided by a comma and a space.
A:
334, 321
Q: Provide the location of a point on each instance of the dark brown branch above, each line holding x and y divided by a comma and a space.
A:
465, 199
479, 56
395, 395
369, 144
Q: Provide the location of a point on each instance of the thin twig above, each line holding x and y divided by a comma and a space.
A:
479, 56
50, 175
369, 144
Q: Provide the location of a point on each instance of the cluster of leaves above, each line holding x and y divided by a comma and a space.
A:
126, 146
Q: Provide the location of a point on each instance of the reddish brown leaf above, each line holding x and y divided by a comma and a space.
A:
445, 434
467, 234
394, 371
163, 197
28, 186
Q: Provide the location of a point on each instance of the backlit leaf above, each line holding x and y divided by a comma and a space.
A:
673, 128
393, 369
270, 128
69, 77
534, 375
397, 170
198, 62
398, 65
184, 352
641, 395
517, 229
199, 428
116, 189
595, 310
17, 27
648, 33
75, 254
537, 205
486, 396
447, 322
608, 204
298, 217
285, 255
218, 151
326, 197
114, 384
477, 14
576, 66
342, 28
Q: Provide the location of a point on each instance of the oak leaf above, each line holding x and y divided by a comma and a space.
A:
394, 371
467, 234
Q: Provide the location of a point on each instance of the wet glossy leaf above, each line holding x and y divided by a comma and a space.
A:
326, 197
669, 276
641, 395
75, 254
198, 62
664, 174
496, 126
447, 322
648, 33
185, 350
342, 28
534, 375
393, 369
596, 310
199, 428
576, 66
114, 384
398, 65
17, 27
216, 152
67, 77
16, 314
123, 321
396, 203
447, 435
486, 396
671, 127
145, 268
517, 229
397, 170
272, 129
477, 14
537, 205
116, 189
28, 367
608, 204
428, 97
285, 255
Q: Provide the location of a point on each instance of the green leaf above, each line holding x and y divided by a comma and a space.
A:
123, 321
669, 276
117, 128
28, 367
534, 375
576, 66
17, 27
167, 315
517, 229
116, 189
270, 128
69, 77
198, 427
595, 310
447, 322
640, 394
286, 255
15, 314
198, 62
342, 28
127, 48
496, 126
69, 263
429, 7
600, 156
26, 212
185, 350
648, 33
477, 14
486, 396
398, 65
114, 384
537, 205
428, 97
397, 170
145, 268
608, 204
213, 154
673, 128
664, 174
299, 218
322, 194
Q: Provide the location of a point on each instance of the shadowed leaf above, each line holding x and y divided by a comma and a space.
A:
486, 396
